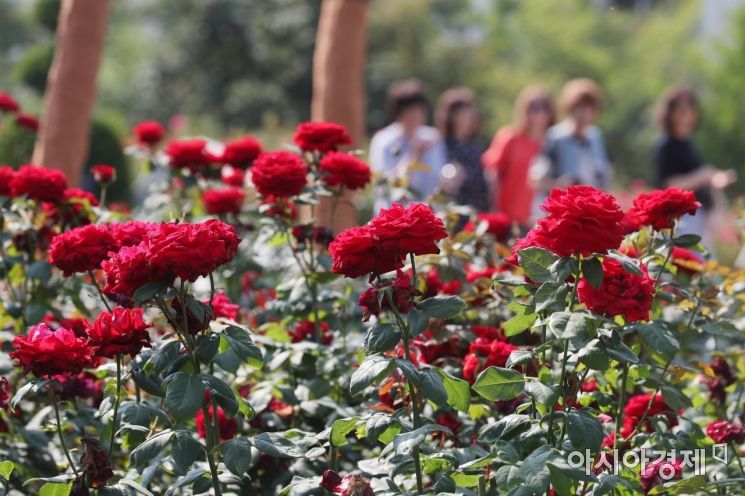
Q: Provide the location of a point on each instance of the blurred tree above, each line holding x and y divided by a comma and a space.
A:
64, 134
234, 62
724, 107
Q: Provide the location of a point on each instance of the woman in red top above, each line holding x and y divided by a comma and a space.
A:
507, 160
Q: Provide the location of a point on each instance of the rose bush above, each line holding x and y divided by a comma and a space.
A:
220, 341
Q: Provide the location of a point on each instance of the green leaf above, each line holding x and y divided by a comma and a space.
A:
184, 395
341, 428
442, 307
536, 262
381, 338
610, 482
148, 291
594, 355
185, 450
144, 454
165, 356
39, 270
505, 428
236, 455
56, 489
550, 294
404, 444
207, 347
521, 321
585, 431
6, 468
498, 384
687, 240
417, 322
691, 485
568, 325
432, 386
274, 444
628, 264
518, 357
675, 398
507, 478
619, 351
458, 391
369, 371
592, 270
658, 337
241, 344
543, 394
534, 470
222, 394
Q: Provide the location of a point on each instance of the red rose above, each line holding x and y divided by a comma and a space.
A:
342, 169
635, 408
474, 275
75, 207
6, 177
127, 270
81, 249
620, 293
223, 201
722, 431
103, 174
498, 224
355, 252
75, 324
83, 385
305, 330
45, 352
232, 176
8, 103
661, 208
122, 331
330, 480
223, 307
131, 232
414, 229
39, 183
148, 132
189, 154
723, 378
279, 174
96, 466
279, 207
241, 152
227, 427
581, 220
369, 302
660, 471
321, 136
536, 237
28, 121
188, 251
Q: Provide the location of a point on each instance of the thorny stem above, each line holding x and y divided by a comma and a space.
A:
117, 399
98, 288
619, 411
59, 429
211, 439
412, 390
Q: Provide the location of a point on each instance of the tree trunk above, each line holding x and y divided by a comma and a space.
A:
339, 88
63, 139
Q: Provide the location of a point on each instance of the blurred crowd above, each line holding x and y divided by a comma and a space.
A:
548, 144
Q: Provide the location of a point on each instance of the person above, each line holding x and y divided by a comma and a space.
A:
408, 141
458, 121
507, 160
574, 151
678, 163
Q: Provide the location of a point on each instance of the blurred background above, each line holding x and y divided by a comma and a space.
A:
223, 68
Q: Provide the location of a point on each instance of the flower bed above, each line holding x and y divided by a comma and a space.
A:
219, 343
